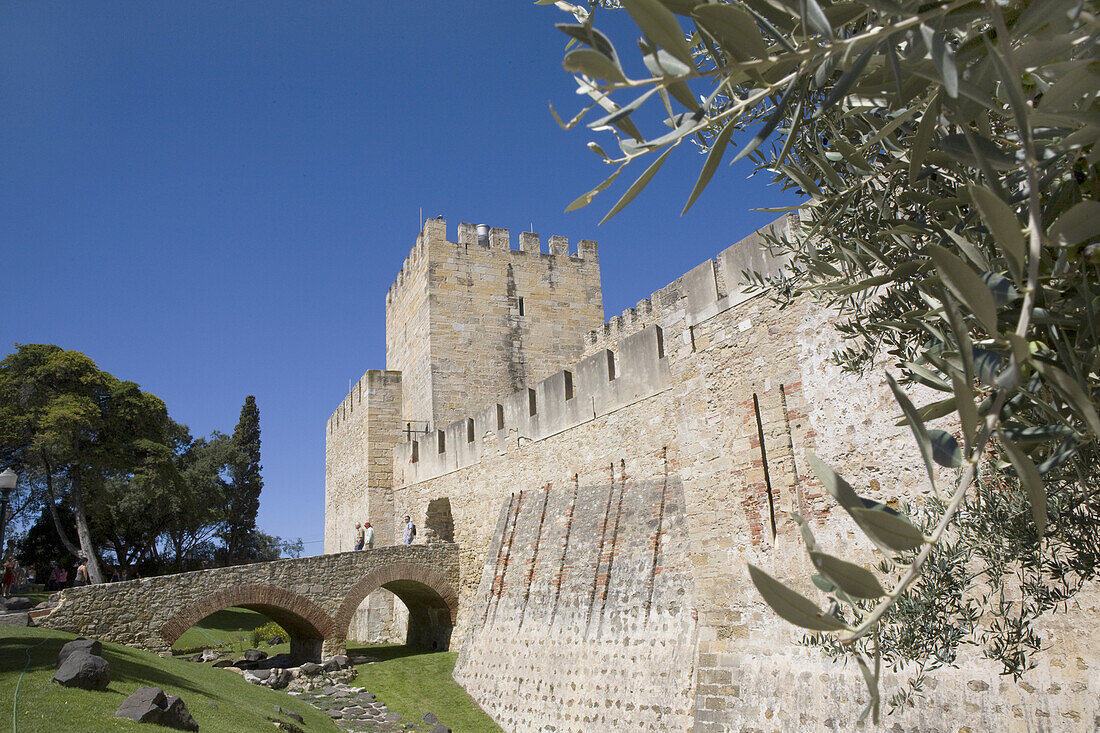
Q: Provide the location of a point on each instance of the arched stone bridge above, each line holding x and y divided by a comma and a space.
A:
313, 598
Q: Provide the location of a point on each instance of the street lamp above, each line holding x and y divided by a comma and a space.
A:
7, 483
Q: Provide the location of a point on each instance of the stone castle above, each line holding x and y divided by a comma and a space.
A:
605, 485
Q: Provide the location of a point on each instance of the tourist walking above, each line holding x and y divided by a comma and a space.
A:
368, 535
410, 530
9, 576
358, 537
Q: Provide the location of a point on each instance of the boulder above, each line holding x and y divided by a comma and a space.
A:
83, 670
146, 705
176, 715
209, 655
334, 663
194, 658
15, 619
88, 646
311, 669
430, 718
255, 655
440, 729
17, 603
275, 641
263, 674
151, 705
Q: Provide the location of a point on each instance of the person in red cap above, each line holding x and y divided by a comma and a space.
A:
368, 535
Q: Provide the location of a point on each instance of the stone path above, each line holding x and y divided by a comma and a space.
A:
354, 709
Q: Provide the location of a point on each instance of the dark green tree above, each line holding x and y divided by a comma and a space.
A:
42, 548
81, 428
245, 485
199, 512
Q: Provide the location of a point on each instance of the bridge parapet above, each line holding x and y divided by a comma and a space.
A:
313, 598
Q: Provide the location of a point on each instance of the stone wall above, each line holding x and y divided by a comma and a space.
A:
313, 598
359, 441
742, 392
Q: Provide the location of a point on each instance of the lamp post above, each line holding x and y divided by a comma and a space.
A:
7, 483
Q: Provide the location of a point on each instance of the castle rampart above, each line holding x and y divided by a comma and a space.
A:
603, 537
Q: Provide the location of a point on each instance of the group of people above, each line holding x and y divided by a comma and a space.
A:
17, 576
364, 534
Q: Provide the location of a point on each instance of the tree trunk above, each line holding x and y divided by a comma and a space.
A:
95, 575
53, 510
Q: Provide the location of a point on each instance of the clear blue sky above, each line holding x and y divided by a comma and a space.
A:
212, 198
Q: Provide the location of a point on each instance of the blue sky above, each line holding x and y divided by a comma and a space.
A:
211, 199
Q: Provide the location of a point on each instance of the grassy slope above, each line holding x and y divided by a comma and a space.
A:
45, 707
413, 684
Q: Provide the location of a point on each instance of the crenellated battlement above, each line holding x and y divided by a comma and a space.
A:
707, 289
367, 387
595, 386
494, 239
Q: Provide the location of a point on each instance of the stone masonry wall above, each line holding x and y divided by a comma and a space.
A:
730, 358
592, 584
359, 440
408, 342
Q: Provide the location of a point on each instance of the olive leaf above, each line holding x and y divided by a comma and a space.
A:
791, 605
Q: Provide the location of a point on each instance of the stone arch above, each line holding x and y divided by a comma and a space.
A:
305, 621
431, 599
438, 519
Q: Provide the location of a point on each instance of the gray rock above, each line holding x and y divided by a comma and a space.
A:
430, 718
262, 674
440, 729
279, 679
85, 671
146, 705
255, 655
393, 717
209, 655
17, 603
275, 641
15, 619
80, 644
151, 705
176, 715
311, 669
334, 663
195, 658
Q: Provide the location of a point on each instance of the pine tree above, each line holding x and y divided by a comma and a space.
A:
245, 484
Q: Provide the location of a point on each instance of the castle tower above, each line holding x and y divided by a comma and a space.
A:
471, 321
467, 322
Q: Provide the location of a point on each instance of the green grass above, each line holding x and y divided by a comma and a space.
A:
414, 683
45, 707
229, 629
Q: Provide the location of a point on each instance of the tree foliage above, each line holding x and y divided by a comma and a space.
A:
243, 492
945, 152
